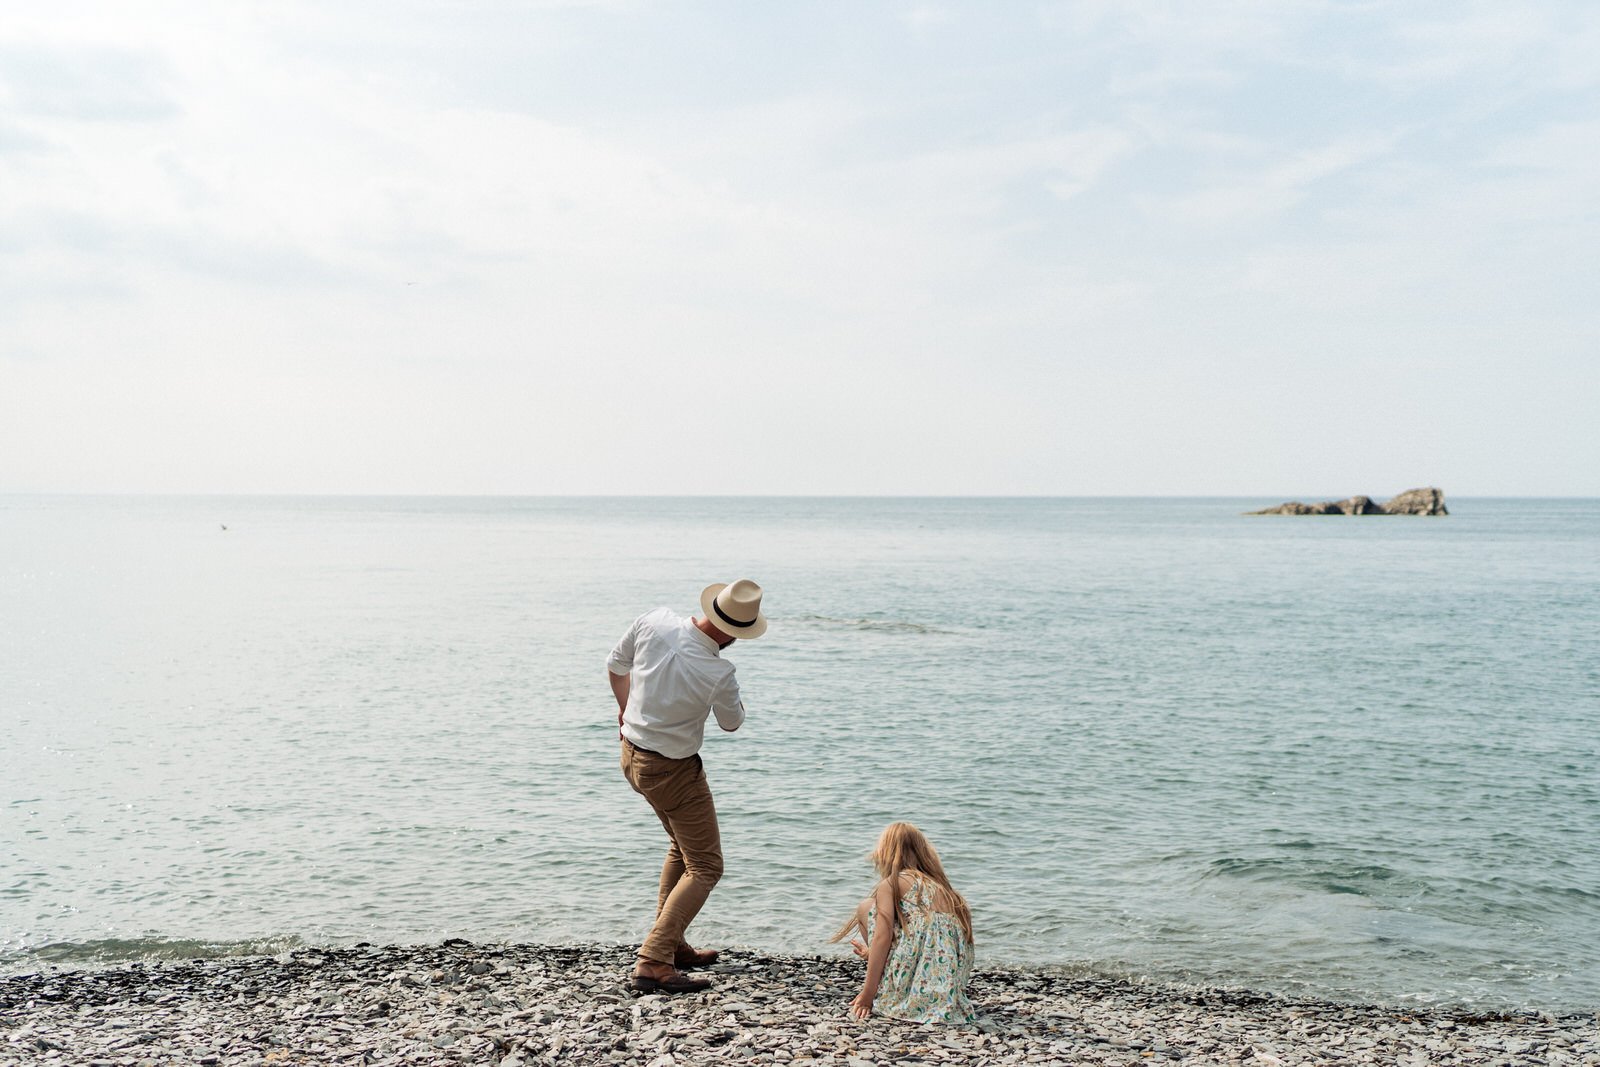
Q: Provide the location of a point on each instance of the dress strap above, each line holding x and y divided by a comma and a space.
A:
920, 892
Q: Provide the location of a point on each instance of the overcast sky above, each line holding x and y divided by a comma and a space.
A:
1288, 249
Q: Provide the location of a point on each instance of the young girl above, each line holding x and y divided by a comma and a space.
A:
919, 935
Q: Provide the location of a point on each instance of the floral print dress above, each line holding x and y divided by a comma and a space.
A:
929, 964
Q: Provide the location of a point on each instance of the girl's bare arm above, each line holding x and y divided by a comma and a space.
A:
877, 951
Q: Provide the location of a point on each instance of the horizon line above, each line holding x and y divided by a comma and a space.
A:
412, 495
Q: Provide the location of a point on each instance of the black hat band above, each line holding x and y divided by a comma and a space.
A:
723, 615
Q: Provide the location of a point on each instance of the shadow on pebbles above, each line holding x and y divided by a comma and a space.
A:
523, 1004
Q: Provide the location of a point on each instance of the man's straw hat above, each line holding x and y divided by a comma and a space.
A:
735, 609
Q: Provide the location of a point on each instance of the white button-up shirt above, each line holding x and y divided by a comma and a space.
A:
678, 680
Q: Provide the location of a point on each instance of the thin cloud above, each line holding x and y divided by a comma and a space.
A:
1278, 186
87, 84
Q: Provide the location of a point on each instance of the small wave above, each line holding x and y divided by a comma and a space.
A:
1464, 900
1361, 879
113, 951
901, 626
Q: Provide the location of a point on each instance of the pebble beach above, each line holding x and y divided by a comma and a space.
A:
461, 1003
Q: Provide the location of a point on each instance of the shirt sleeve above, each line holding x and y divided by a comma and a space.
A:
621, 659
727, 706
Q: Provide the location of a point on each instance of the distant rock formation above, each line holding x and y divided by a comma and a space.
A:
1411, 502
1417, 502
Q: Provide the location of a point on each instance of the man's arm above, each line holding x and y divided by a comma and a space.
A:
728, 707
619, 668
620, 686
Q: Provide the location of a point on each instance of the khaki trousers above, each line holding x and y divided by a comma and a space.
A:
681, 798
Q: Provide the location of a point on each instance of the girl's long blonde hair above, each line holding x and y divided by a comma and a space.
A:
902, 847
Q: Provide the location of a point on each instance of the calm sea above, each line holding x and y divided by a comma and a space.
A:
1348, 757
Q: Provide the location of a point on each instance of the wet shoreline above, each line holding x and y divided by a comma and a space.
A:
521, 1004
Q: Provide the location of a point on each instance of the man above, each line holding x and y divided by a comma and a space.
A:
668, 675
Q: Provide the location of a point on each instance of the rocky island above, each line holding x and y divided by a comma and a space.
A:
1411, 502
